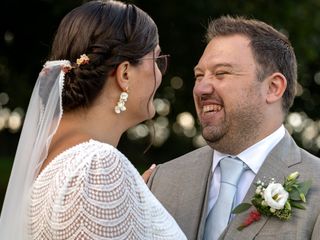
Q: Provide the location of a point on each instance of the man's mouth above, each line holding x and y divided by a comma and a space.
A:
211, 108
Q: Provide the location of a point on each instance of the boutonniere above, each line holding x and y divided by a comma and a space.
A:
275, 199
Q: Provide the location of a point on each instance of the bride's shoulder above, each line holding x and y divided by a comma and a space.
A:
100, 151
94, 154
91, 150
89, 157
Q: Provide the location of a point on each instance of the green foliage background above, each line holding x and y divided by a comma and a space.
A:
31, 25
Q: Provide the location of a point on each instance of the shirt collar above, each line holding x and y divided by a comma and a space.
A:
255, 155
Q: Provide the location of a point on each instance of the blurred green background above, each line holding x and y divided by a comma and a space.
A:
27, 29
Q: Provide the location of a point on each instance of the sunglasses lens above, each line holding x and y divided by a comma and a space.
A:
162, 63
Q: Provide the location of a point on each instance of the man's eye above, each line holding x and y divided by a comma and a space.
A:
197, 76
221, 73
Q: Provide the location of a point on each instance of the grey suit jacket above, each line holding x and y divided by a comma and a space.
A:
182, 186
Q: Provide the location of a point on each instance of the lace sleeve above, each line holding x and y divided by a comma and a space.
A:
94, 196
113, 205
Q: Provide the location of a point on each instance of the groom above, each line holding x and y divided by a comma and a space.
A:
245, 84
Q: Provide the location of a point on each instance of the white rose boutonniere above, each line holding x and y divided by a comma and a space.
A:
275, 196
275, 199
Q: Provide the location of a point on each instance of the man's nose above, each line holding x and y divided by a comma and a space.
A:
203, 87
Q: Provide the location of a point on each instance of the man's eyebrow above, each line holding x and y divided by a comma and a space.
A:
215, 66
223, 65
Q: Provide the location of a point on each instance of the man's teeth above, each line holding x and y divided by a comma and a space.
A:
212, 108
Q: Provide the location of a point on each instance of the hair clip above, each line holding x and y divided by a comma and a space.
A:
84, 59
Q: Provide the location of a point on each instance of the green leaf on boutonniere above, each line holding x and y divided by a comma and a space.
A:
241, 208
301, 188
275, 199
297, 205
305, 186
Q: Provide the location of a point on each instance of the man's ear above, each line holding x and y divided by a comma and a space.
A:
122, 75
276, 85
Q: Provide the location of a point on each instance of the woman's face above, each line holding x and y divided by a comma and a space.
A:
146, 80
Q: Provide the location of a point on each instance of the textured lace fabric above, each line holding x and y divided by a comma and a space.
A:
92, 191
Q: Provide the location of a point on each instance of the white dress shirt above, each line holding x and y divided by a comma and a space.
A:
253, 156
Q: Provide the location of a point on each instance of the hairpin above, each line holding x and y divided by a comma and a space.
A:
84, 59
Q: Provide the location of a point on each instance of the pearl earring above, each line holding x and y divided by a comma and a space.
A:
121, 103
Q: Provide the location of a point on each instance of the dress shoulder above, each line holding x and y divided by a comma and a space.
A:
91, 191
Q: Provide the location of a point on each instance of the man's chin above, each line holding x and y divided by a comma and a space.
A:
212, 133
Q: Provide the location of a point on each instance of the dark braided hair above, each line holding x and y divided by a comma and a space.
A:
108, 32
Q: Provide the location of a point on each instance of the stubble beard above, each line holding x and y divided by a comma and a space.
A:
237, 131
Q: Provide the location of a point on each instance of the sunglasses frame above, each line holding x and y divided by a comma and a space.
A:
163, 66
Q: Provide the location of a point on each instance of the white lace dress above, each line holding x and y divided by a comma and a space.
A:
92, 191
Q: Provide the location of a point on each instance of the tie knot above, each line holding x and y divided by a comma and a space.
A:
231, 170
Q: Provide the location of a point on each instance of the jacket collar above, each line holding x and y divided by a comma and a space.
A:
284, 155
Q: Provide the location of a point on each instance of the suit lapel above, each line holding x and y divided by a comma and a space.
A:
196, 179
276, 165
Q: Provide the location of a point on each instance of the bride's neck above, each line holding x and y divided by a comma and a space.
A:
97, 126
81, 126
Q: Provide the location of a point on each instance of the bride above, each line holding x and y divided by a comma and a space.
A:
68, 180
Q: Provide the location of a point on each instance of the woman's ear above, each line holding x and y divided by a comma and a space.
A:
276, 84
122, 75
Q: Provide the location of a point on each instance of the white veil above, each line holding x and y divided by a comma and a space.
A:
41, 122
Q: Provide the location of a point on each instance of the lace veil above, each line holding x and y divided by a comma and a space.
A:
41, 122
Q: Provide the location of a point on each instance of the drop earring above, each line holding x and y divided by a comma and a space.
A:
121, 103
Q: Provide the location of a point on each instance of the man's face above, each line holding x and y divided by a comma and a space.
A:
227, 95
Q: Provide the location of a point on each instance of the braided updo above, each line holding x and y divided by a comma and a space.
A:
108, 32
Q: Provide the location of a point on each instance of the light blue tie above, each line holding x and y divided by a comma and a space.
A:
218, 218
